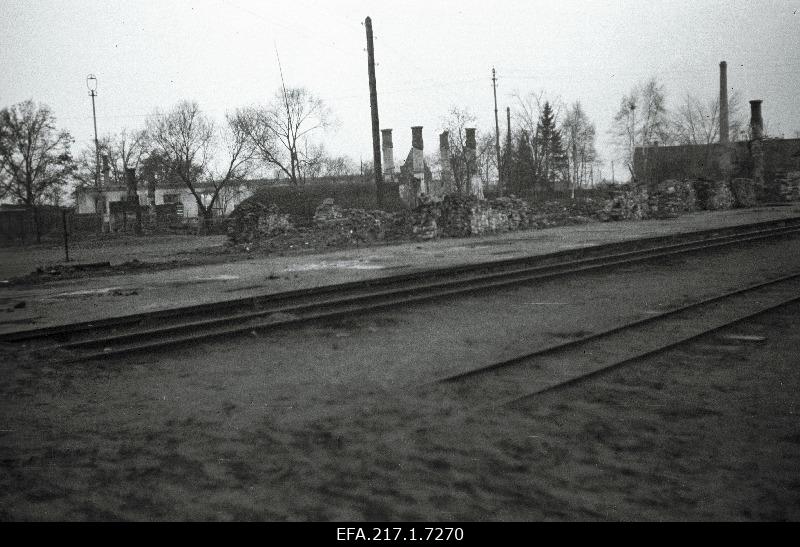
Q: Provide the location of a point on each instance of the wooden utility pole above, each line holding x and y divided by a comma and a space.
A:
508, 127
508, 160
373, 104
497, 135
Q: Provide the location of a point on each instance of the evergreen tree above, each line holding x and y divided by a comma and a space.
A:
522, 166
559, 166
543, 155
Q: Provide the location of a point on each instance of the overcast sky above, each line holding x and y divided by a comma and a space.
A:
432, 55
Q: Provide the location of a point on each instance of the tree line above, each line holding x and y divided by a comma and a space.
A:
180, 146
550, 146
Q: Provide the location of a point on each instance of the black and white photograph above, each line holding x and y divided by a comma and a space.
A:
402, 266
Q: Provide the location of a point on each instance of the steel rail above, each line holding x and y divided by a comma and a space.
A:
629, 329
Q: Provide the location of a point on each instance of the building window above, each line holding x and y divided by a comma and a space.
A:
176, 199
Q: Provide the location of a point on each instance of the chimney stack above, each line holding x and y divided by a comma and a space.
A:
471, 145
444, 162
756, 122
388, 155
416, 137
106, 171
724, 131
130, 181
418, 159
470, 151
757, 142
473, 178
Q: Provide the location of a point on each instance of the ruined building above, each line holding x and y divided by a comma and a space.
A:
769, 162
415, 178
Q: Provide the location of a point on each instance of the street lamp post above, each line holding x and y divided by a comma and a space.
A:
91, 84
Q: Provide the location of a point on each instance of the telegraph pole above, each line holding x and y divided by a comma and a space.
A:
508, 144
497, 135
373, 104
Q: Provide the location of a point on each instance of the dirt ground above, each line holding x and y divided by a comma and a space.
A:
342, 429
116, 249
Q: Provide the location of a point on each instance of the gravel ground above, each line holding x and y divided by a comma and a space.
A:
256, 429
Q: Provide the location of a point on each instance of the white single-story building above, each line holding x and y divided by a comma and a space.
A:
90, 201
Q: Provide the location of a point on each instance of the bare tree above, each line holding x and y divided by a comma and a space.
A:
697, 122
280, 131
339, 166
312, 161
642, 118
579, 135
35, 159
185, 141
124, 150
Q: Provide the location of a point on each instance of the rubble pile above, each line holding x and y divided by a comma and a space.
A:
515, 213
565, 212
629, 203
328, 211
256, 224
353, 226
671, 198
456, 212
744, 192
253, 220
458, 215
712, 195
423, 220
788, 186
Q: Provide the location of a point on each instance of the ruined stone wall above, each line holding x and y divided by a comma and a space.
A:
254, 220
653, 164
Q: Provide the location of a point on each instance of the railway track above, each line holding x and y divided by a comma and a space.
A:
158, 330
514, 381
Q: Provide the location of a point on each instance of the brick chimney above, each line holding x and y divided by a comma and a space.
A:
106, 171
757, 142
724, 131
470, 150
444, 162
418, 158
472, 163
130, 182
756, 122
388, 155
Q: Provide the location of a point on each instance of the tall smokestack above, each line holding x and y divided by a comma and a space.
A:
724, 131
388, 155
756, 122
